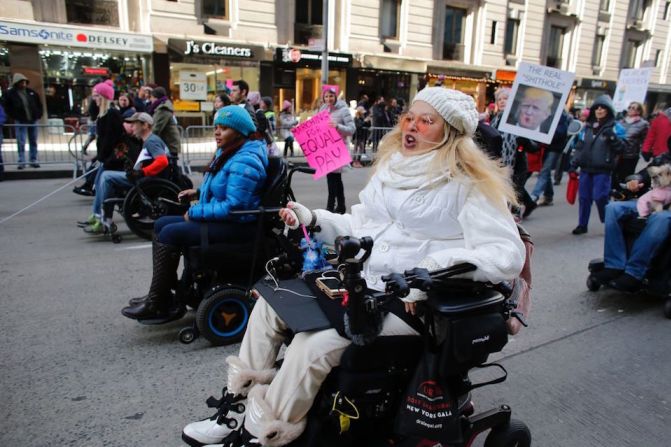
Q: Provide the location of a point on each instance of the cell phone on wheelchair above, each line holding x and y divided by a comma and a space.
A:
332, 287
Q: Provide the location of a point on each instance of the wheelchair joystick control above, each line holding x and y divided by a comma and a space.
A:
363, 320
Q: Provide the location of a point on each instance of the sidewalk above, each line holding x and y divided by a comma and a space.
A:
65, 170
56, 163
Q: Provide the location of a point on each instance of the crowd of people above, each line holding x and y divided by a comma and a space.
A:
447, 187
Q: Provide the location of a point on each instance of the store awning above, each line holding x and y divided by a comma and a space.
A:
394, 64
659, 88
458, 70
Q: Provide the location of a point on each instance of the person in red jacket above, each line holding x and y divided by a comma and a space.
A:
659, 133
151, 162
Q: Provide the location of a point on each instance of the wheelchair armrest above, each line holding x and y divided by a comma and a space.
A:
169, 202
256, 211
304, 169
114, 200
456, 296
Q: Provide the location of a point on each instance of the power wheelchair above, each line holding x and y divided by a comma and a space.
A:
359, 400
657, 281
216, 278
145, 201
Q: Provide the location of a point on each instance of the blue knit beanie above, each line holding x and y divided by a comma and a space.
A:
237, 118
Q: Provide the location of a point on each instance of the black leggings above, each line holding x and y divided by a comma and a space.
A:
336, 193
289, 146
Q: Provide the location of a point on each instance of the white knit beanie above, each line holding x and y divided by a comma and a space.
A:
457, 108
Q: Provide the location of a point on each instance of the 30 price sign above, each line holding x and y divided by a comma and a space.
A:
192, 86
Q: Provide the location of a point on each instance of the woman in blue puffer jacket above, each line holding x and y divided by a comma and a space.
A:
233, 181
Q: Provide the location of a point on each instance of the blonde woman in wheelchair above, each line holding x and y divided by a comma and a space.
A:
434, 200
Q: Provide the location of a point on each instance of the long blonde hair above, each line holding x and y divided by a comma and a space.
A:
459, 155
104, 106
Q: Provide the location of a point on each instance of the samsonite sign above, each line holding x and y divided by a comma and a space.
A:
74, 37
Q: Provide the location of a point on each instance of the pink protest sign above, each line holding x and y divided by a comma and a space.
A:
322, 145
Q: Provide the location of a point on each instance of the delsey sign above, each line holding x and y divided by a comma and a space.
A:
215, 49
74, 37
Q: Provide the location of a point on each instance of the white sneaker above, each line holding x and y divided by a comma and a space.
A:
228, 418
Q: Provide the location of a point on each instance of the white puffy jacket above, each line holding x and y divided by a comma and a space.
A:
450, 224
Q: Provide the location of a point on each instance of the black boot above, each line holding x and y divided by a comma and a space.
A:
154, 253
158, 305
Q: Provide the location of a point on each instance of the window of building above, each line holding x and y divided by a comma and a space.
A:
512, 30
667, 10
604, 5
308, 23
638, 9
390, 18
658, 56
555, 46
309, 12
93, 12
215, 8
492, 36
631, 53
597, 53
453, 38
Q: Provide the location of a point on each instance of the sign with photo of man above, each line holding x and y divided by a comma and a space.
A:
632, 86
539, 94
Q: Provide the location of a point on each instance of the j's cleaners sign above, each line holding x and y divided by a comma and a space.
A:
74, 37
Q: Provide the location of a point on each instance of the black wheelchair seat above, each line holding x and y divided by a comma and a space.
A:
243, 251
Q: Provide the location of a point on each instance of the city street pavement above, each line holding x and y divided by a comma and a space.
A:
591, 370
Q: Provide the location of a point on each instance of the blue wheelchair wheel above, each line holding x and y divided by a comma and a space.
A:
223, 315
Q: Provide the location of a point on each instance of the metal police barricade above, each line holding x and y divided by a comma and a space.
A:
57, 144
375, 134
198, 146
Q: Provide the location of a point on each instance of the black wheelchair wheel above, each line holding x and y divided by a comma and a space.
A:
592, 284
142, 207
513, 434
667, 308
187, 335
223, 315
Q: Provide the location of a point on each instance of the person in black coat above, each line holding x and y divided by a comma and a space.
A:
596, 154
23, 105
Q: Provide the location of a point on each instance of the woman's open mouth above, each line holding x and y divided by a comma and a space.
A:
409, 141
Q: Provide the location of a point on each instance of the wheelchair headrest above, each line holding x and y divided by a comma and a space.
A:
276, 176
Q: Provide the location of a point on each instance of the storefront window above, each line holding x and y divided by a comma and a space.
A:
93, 12
68, 75
308, 88
5, 69
216, 78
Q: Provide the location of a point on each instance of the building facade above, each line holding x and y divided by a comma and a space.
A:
387, 48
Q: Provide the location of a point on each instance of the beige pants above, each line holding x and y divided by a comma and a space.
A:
307, 361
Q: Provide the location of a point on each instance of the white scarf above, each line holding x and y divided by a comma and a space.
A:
407, 172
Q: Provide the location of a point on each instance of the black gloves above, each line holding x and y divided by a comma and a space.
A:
134, 175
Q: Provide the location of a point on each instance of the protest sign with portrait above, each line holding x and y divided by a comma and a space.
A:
538, 97
632, 86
